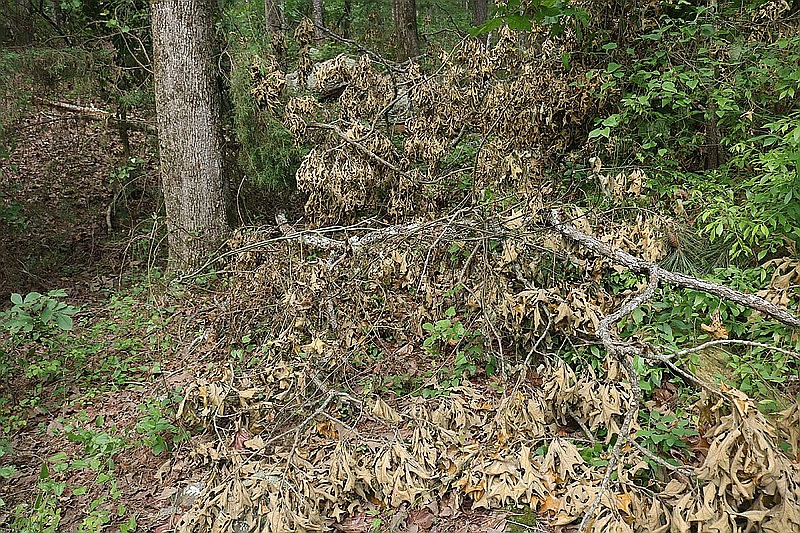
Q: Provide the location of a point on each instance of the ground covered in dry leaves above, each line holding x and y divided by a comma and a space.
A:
437, 367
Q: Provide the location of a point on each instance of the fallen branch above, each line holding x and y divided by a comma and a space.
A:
623, 352
319, 241
93, 113
639, 265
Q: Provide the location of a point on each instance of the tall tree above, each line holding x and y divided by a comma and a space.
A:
319, 21
189, 129
404, 14
274, 17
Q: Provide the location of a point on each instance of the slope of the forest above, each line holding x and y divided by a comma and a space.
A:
545, 279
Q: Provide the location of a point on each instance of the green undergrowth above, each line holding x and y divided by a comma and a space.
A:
62, 365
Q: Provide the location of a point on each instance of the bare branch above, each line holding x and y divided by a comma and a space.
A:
366, 151
93, 113
637, 264
620, 352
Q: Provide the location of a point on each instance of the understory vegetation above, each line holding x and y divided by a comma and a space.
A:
543, 277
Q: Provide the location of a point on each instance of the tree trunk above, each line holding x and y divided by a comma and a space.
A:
319, 21
189, 129
274, 17
480, 10
347, 15
404, 14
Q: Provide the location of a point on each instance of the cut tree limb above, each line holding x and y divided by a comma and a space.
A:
639, 265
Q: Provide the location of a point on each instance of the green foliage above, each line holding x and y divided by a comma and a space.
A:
760, 374
761, 214
665, 433
267, 153
712, 111
98, 448
556, 15
157, 429
38, 315
449, 337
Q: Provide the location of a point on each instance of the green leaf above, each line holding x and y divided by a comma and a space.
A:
486, 27
612, 120
16, 299
32, 297
600, 132
518, 22
64, 322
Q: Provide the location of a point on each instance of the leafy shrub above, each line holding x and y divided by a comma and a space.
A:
38, 315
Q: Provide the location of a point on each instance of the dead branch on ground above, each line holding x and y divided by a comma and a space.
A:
639, 265
94, 113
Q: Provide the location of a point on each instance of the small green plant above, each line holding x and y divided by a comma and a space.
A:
99, 447
666, 432
157, 430
449, 337
37, 315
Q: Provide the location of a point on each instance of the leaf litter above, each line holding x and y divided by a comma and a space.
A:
301, 438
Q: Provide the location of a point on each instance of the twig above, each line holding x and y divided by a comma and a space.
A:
391, 68
724, 342
620, 352
659, 460
583, 427
366, 151
449, 224
315, 240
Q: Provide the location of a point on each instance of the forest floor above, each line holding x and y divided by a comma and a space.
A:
59, 181
88, 431
443, 372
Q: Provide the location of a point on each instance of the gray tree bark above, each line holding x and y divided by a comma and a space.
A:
404, 15
319, 21
274, 16
189, 129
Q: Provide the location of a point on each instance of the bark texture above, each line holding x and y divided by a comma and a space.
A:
319, 21
480, 10
189, 129
274, 17
404, 14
